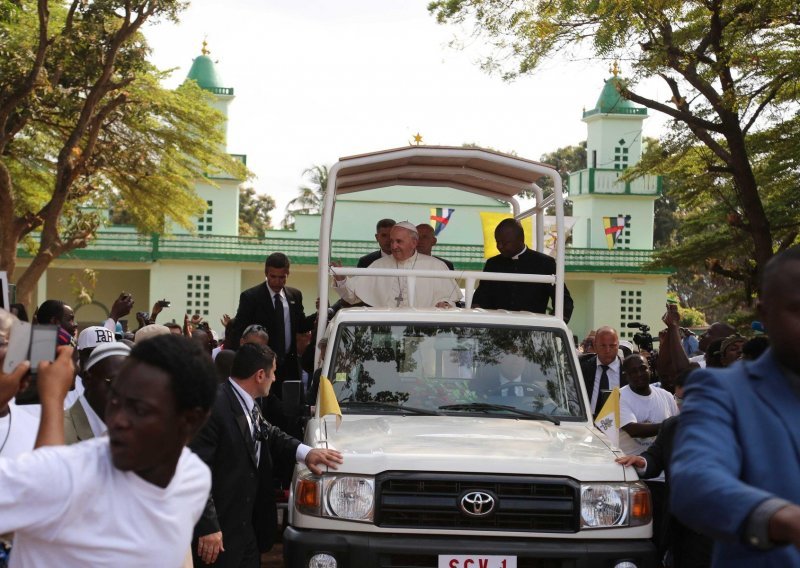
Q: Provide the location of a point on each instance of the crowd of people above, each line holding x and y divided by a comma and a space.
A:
165, 446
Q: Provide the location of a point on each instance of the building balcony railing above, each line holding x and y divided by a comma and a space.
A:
606, 181
133, 247
639, 111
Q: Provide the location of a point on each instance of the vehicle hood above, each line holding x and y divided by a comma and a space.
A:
373, 444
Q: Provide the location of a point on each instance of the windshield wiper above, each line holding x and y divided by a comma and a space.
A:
391, 405
486, 407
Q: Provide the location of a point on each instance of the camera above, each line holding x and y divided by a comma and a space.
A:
642, 339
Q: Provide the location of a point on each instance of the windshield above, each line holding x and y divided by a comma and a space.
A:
455, 370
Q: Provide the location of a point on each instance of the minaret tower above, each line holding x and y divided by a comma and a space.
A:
613, 214
204, 72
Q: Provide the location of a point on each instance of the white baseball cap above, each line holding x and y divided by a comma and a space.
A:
106, 350
93, 336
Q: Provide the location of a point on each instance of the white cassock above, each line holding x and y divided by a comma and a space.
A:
392, 291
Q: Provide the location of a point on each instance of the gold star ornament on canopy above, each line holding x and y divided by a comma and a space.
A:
417, 139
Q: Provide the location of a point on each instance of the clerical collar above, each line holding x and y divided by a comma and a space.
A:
516, 256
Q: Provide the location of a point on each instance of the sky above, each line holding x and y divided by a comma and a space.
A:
316, 80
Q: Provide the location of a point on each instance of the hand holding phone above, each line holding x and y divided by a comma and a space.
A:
13, 382
33, 343
55, 379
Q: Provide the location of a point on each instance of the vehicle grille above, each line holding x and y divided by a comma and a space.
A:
418, 500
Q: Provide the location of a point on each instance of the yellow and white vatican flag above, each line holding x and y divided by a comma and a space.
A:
607, 420
328, 404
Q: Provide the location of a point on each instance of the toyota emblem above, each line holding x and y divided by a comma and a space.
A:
478, 503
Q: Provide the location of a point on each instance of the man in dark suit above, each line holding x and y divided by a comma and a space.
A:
690, 549
602, 370
736, 463
427, 240
515, 257
382, 235
279, 309
241, 449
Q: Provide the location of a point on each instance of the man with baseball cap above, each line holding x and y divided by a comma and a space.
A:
85, 419
88, 339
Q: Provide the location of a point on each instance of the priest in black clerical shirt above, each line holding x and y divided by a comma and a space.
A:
516, 258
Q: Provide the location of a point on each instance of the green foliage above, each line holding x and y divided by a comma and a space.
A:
85, 125
732, 71
690, 317
254, 213
311, 196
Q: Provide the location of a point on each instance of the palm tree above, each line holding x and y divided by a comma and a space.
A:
309, 200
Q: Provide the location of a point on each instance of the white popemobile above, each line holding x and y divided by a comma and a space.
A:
466, 437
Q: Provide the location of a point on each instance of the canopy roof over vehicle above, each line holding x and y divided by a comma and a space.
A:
484, 172
476, 170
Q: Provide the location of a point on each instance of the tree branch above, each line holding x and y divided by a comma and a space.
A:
773, 92
27, 85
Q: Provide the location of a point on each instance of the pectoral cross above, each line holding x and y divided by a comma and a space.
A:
399, 298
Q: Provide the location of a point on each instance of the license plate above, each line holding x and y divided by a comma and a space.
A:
476, 561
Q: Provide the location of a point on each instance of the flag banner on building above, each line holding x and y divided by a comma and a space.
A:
607, 420
613, 227
490, 220
328, 404
440, 217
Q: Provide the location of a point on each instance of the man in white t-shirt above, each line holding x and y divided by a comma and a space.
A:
128, 499
642, 407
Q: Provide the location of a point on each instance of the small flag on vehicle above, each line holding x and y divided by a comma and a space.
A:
607, 420
328, 404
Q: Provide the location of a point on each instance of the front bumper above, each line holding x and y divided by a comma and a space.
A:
359, 550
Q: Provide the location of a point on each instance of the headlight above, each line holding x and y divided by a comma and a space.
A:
606, 505
350, 498
347, 497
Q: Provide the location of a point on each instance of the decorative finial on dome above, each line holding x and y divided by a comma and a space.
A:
205, 50
417, 139
614, 69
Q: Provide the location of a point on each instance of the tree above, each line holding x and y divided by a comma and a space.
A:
254, 213
730, 66
85, 123
566, 160
310, 198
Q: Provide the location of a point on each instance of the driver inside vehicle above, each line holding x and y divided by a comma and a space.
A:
511, 377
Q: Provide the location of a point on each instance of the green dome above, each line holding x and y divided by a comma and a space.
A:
612, 102
204, 73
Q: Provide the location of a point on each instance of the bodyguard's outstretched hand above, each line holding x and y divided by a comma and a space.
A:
634, 461
317, 457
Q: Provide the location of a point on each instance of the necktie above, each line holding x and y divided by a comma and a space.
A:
603, 386
255, 418
280, 337
604, 378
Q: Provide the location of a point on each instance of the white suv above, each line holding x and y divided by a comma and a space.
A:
467, 444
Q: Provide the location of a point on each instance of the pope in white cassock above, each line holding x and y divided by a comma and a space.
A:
390, 291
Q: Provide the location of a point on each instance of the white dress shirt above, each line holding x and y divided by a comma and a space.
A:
247, 403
